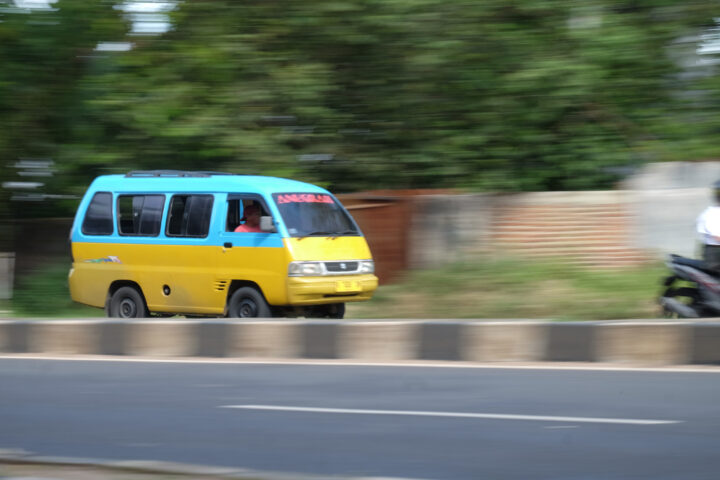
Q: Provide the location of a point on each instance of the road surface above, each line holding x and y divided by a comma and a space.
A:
383, 421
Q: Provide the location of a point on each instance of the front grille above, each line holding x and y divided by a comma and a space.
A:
342, 267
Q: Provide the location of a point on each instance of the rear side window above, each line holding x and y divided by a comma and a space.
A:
98, 216
140, 214
189, 215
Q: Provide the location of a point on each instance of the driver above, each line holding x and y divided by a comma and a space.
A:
251, 216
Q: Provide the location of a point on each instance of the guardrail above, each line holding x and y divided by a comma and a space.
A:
648, 342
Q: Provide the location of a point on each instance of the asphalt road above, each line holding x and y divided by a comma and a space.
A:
383, 421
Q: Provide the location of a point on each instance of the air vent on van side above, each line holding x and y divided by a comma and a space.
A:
221, 285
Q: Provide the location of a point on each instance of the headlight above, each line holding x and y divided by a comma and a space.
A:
367, 266
301, 269
341, 267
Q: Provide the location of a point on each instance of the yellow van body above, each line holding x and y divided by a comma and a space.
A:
165, 243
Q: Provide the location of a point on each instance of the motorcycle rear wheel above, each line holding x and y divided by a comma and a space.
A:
679, 293
689, 292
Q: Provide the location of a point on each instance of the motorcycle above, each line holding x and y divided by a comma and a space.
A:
692, 290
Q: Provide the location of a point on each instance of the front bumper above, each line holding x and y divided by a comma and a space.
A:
331, 289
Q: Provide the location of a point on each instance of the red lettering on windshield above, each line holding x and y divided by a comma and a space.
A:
303, 198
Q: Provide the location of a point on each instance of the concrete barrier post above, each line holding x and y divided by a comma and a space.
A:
440, 341
320, 340
378, 341
705, 343
66, 337
15, 337
648, 343
266, 339
571, 342
508, 341
163, 338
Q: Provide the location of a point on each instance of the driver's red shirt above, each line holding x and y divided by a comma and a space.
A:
247, 228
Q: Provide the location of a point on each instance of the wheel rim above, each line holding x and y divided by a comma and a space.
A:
247, 308
128, 308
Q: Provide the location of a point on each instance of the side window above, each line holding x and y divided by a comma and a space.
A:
98, 216
140, 214
189, 215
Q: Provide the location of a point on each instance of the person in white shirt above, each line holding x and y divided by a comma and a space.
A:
708, 228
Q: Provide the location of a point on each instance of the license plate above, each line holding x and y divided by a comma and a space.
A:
347, 286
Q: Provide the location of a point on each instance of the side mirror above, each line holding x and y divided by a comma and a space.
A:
267, 225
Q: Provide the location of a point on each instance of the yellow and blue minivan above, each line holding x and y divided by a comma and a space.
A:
165, 243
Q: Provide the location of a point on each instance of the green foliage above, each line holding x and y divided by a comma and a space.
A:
44, 56
492, 95
500, 288
44, 293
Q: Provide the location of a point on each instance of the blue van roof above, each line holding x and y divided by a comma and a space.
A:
201, 182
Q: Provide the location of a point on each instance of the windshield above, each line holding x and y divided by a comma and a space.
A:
311, 214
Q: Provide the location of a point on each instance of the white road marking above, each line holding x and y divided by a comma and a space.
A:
490, 416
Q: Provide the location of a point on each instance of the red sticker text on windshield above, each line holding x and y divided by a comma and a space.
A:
303, 198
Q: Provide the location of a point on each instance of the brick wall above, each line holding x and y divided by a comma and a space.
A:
592, 229
596, 231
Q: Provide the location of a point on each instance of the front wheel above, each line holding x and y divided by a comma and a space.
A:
247, 302
336, 310
333, 311
127, 302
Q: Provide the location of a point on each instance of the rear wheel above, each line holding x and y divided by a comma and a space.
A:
247, 302
127, 302
688, 292
689, 296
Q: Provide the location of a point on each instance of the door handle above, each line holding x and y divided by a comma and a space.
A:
227, 244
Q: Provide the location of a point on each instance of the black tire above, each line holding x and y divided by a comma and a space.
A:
689, 292
127, 302
247, 302
334, 311
689, 296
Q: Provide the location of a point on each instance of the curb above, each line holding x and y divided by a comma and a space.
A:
146, 467
637, 341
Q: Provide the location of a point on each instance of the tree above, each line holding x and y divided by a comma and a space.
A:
45, 54
360, 94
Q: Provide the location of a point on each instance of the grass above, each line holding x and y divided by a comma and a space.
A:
45, 293
512, 288
489, 289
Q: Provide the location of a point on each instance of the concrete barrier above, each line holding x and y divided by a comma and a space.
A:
504, 341
637, 342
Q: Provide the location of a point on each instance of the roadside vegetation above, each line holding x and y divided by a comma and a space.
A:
488, 289
519, 289
45, 293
